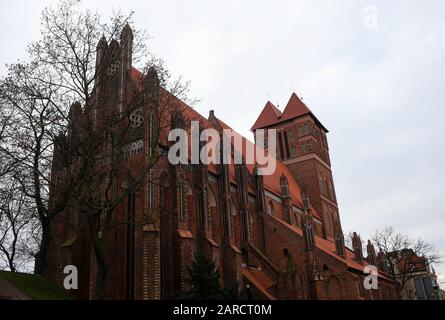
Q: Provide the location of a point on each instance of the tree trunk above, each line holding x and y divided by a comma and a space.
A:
41, 259
102, 268
101, 278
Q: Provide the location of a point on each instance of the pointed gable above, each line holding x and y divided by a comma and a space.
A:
268, 116
295, 108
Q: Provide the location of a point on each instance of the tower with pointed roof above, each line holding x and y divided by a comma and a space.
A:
302, 146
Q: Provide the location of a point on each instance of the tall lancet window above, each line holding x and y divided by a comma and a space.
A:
340, 245
286, 215
181, 199
150, 135
150, 190
284, 186
232, 215
309, 235
250, 225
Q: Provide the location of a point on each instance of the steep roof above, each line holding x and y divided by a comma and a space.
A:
268, 116
295, 108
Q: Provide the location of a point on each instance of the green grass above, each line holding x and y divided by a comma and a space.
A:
36, 287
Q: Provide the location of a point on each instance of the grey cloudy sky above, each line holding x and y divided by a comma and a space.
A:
380, 92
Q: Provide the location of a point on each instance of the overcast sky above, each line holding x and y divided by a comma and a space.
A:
372, 72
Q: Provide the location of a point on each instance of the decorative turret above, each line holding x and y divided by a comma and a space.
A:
316, 274
339, 240
381, 261
357, 246
177, 120
127, 47
308, 222
371, 253
152, 86
101, 49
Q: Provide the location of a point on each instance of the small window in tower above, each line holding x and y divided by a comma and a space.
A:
266, 140
280, 143
286, 144
285, 252
320, 183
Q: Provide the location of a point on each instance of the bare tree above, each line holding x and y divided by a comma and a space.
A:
402, 254
66, 66
16, 227
31, 133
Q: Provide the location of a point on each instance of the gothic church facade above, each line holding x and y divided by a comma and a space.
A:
276, 236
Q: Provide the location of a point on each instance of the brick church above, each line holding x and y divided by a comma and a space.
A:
276, 236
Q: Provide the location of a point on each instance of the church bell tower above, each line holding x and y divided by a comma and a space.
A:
303, 147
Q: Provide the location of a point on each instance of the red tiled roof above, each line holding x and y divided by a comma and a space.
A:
295, 108
271, 115
267, 117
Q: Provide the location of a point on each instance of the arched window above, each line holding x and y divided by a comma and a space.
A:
284, 186
181, 199
340, 245
280, 144
286, 215
321, 184
250, 225
150, 135
309, 235
150, 190
327, 220
271, 209
232, 216
326, 186
211, 200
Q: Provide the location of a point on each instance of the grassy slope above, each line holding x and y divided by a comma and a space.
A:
36, 287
